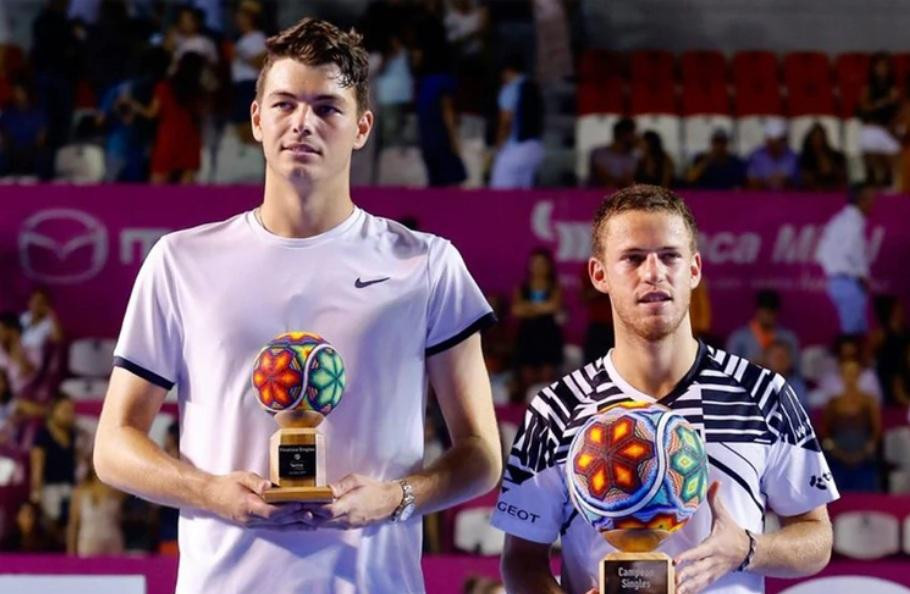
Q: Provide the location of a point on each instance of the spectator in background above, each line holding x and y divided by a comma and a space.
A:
535, 304
53, 461
186, 36
249, 54
41, 327
129, 132
718, 168
23, 134
820, 166
614, 166
778, 357
437, 118
773, 166
394, 91
878, 105
8, 417
18, 362
94, 519
519, 150
752, 340
843, 255
180, 105
889, 343
29, 534
847, 348
850, 431
900, 382
655, 166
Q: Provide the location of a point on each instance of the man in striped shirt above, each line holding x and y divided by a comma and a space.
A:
762, 451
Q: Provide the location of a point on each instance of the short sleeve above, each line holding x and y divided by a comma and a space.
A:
535, 509
150, 339
457, 307
797, 478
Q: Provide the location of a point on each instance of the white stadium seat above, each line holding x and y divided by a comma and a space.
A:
591, 131
866, 535
697, 131
92, 357
799, 127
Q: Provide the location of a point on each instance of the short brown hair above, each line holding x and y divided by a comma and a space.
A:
641, 197
316, 43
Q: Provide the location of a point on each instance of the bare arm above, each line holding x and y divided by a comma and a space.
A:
504, 128
450, 118
525, 567
127, 459
37, 458
469, 468
801, 547
72, 527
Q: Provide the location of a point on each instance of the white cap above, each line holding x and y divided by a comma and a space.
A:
775, 128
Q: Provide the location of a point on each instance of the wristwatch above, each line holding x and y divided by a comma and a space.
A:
406, 508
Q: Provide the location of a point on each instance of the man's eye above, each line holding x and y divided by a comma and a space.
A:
326, 110
283, 105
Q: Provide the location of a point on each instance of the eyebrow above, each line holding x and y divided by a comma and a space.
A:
665, 248
324, 97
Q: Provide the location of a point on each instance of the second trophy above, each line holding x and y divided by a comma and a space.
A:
637, 472
300, 377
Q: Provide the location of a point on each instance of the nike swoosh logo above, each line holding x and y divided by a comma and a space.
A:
361, 284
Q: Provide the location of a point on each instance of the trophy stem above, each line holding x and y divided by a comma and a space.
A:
288, 419
636, 540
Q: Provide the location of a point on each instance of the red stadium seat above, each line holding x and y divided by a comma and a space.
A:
704, 83
654, 96
756, 84
901, 71
652, 65
807, 76
601, 83
852, 72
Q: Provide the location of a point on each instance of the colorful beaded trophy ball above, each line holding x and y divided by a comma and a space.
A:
299, 370
300, 377
637, 472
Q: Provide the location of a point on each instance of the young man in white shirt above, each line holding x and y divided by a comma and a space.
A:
761, 449
844, 256
400, 308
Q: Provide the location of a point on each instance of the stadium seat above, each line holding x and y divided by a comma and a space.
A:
815, 361
652, 66
704, 84
866, 534
474, 534
601, 83
402, 166
851, 72
591, 131
810, 91
896, 447
160, 425
907, 535
237, 161
901, 63
899, 482
756, 84
79, 164
92, 357
84, 388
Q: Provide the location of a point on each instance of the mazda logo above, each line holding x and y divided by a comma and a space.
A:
62, 246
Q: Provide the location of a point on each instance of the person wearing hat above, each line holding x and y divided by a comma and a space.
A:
717, 168
773, 166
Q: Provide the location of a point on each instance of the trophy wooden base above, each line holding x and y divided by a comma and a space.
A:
304, 494
637, 573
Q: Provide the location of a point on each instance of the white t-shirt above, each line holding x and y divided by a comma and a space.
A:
35, 336
842, 247
760, 446
204, 303
248, 47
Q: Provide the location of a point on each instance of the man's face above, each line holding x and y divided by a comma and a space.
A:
649, 270
766, 317
307, 122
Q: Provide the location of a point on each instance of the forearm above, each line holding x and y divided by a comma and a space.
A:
800, 549
525, 576
128, 460
468, 469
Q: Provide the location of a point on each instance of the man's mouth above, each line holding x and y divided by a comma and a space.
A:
655, 297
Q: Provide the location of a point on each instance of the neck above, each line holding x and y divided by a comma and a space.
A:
303, 209
654, 367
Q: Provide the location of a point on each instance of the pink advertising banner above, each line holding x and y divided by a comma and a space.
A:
85, 243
